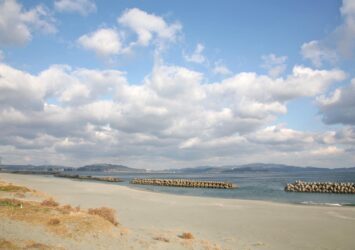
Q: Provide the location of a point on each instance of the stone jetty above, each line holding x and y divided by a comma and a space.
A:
88, 177
321, 187
184, 183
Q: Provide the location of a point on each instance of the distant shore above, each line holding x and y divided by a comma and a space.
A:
230, 223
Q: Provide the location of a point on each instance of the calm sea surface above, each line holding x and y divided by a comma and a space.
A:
252, 186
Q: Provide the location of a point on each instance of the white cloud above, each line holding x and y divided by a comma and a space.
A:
317, 53
174, 116
274, 65
339, 106
196, 56
16, 24
221, 69
338, 44
149, 26
280, 135
83, 7
104, 42
326, 151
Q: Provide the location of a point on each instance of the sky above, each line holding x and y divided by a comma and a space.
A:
170, 84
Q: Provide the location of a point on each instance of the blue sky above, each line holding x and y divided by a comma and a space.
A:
272, 77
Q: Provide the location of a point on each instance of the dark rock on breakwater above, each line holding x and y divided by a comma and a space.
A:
184, 183
321, 187
88, 177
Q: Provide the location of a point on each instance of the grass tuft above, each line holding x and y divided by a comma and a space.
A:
10, 203
106, 213
50, 203
53, 221
13, 188
186, 236
161, 238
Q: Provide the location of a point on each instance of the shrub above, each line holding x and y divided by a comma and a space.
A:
50, 203
106, 213
186, 236
53, 221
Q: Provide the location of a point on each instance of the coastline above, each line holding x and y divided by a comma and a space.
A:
231, 223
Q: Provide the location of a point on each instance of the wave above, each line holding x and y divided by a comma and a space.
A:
312, 203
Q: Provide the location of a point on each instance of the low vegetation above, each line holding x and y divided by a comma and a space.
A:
106, 213
53, 221
8, 187
50, 203
20, 245
6, 202
186, 236
161, 238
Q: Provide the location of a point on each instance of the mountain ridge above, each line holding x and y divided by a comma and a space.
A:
224, 169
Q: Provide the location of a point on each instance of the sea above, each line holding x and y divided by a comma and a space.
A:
266, 186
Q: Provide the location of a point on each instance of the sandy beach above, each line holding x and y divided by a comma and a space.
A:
224, 223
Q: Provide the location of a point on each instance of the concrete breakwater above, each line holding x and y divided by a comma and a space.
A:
88, 177
184, 183
321, 187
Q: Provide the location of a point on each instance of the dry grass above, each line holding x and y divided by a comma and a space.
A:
53, 221
8, 187
19, 195
71, 224
106, 213
38, 246
21, 245
186, 236
5, 244
6, 202
161, 238
63, 220
50, 203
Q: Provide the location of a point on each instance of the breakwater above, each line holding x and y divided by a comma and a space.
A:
88, 177
184, 183
321, 187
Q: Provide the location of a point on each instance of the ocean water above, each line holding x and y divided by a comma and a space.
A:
268, 186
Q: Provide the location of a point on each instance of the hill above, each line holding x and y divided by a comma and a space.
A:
108, 168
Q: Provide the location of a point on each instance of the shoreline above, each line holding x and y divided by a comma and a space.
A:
139, 188
231, 223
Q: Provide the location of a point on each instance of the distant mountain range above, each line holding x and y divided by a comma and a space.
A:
42, 168
109, 168
255, 167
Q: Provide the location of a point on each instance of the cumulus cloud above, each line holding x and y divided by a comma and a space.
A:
338, 107
149, 26
221, 69
338, 44
173, 115
274, 65
104, 42
17, 24
317, 53
273, 135
197, 56
83, 7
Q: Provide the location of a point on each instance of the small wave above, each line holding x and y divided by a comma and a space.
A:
312, 203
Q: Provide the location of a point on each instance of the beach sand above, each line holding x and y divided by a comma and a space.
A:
223, 223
